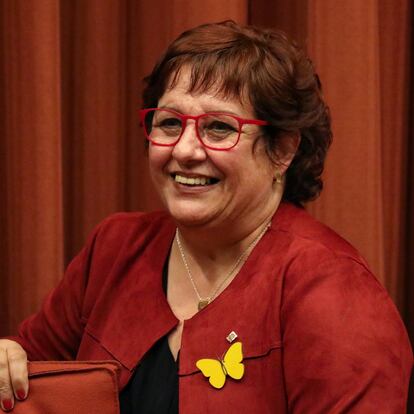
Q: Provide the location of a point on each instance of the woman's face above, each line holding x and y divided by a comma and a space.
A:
242, 179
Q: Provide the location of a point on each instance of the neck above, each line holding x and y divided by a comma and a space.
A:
211, 249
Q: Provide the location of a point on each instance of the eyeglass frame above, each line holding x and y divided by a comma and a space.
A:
184, 118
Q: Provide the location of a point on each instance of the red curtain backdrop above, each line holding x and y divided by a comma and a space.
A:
72, 152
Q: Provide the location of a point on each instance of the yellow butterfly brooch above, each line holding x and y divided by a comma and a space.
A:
217, 369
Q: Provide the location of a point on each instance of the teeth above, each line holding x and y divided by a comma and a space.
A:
192, 181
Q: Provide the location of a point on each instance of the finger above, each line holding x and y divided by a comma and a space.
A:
17, 359
6, 394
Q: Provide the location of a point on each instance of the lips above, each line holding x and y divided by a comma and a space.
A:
194, 180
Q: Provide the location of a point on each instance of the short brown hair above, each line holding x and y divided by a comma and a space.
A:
277, 76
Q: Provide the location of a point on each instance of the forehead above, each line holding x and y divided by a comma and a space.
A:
182, 94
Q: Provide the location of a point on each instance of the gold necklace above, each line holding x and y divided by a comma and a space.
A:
202, 303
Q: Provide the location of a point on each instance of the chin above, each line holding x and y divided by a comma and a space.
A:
190, 220
189, 216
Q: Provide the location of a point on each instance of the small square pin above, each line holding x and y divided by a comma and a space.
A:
231, 336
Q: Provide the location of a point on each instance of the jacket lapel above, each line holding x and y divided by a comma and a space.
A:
132, 312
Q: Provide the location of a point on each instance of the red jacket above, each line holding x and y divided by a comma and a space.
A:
319, 332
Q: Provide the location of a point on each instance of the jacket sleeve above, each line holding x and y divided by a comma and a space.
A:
54, 333
345, 347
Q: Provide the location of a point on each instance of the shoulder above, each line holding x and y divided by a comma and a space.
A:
327, 285
127, 226
123, 234
340, 320
310, 242
134, 221
321, 267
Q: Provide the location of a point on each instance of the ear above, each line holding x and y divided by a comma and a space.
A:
286, 150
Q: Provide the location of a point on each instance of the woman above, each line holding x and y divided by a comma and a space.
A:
234, 299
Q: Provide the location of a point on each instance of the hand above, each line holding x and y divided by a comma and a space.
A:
14, 382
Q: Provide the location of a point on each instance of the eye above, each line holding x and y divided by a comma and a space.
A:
167, 125
220, 127
169, 122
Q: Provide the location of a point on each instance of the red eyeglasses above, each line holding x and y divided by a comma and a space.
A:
215, 130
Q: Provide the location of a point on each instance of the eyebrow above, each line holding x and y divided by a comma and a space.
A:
173, 108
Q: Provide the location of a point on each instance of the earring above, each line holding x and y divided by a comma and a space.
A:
278, 178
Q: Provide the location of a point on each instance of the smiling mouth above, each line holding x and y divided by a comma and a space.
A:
194, 181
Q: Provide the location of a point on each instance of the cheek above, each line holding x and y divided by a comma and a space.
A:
263, 165
255, 167
157, 159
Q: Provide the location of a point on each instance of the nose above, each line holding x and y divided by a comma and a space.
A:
189, 148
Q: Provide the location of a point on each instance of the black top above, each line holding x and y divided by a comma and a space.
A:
153, 387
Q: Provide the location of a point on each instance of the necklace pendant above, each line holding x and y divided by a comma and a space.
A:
203, 303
